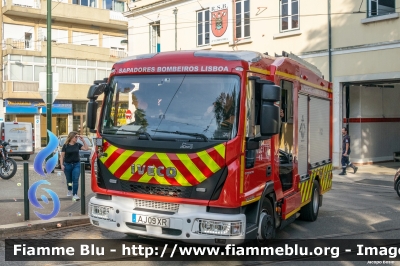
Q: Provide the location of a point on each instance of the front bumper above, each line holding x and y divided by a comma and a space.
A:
183, 224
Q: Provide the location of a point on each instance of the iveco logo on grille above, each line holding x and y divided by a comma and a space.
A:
186, 146
152, 170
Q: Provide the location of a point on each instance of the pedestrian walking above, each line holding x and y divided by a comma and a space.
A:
70, 162
346, 152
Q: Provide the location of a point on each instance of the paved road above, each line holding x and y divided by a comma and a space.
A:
358, 207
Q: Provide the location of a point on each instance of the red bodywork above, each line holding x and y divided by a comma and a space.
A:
241, 186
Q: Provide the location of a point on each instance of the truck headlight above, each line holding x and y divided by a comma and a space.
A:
220, 228
101, 212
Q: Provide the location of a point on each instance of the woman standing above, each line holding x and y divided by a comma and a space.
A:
70, 162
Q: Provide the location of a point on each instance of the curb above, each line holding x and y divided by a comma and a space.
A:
11, 230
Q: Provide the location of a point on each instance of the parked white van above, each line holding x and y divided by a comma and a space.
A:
21, 137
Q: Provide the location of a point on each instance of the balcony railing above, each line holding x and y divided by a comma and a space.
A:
24, 3
22, 44
118, 53
117, 16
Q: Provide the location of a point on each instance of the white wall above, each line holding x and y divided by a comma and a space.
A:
374, 141
17, 32
85, 38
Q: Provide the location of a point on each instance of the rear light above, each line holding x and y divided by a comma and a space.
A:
33, 137
2, 134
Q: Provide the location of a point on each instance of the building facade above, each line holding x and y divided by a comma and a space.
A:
355, 44
87, 38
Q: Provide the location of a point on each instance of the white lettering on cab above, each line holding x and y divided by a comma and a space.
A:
173, 69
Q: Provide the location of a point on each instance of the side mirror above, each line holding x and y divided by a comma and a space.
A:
96, 90
269, 113
91, 115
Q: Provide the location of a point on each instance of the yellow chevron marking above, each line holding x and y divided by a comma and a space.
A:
167, 163
322, 178
126, 175
191, 167
207, 160
141, 160
304, 189
120, 160
110, 151
220, 149
146, 178
304, 186
309, 187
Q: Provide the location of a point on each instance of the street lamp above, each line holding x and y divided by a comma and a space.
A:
175, 12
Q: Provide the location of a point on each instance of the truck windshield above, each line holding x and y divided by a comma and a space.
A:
197, 107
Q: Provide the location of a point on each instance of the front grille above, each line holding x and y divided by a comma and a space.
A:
156, 205
160, 190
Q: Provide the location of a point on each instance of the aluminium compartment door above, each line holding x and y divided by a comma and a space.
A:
306, 182
302, 139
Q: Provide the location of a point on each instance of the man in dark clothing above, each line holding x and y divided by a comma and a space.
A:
346, 152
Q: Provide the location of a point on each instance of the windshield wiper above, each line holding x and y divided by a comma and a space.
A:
197, 135
139, 132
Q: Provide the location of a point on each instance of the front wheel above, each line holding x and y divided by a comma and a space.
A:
398, 187
266, 224
310, 211
8, 169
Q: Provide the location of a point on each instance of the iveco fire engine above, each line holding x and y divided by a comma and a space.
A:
209, 146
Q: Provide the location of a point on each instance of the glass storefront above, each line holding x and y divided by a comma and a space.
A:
79, 118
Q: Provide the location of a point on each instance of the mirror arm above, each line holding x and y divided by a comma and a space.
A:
252, 144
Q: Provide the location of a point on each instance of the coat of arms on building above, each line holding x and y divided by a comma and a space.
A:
219, 22
221, 28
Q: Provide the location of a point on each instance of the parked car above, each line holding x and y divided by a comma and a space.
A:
397, 182
84, 155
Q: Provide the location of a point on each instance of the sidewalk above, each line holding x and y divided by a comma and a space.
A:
374, 174
12, 216
11, 198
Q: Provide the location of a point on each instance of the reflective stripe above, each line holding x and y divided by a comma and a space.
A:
168, 163
110, 151
220, 149
121, 159
141, 160
191, 167
207, 160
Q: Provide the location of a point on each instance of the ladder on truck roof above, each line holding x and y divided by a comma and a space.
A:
310, 66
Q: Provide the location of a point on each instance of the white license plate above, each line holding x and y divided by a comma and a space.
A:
84, 159
150, 220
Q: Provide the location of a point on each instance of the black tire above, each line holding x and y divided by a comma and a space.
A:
26, 157
310, 211
8, 172
398, 187
266, 223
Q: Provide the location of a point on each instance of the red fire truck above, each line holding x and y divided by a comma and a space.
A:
209, 146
